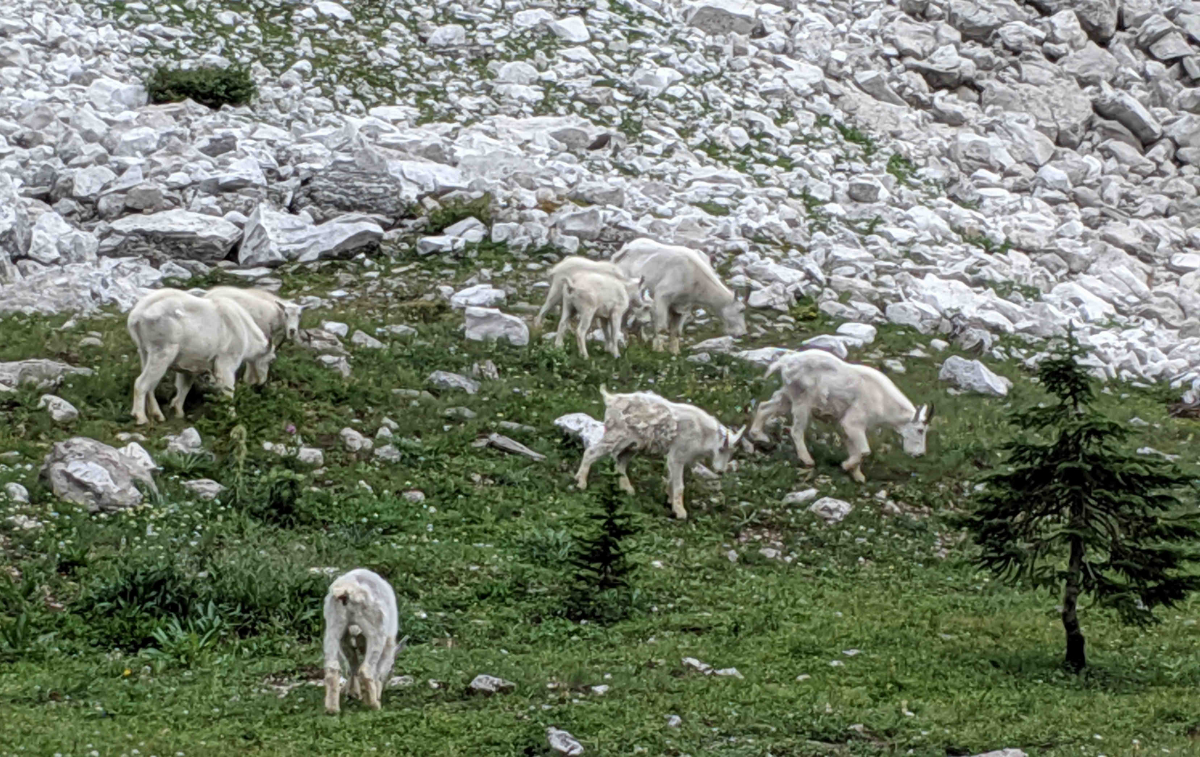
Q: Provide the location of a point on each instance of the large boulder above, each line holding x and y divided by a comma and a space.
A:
93, 474
973, 376
488, 324
336, 191
1061, 109
722, 16
54, 241
272, 238
14, 228
1125, 109
1097, 17
42, 374
171, 234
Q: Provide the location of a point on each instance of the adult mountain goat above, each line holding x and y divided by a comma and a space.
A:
680, 279
279, 319
819, 385
193, 335
645, 422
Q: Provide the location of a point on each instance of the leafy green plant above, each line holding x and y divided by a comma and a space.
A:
208, 86
601, 590
1075, 511
451, 212
901, 167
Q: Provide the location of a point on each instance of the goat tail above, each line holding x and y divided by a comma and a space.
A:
605, 393
354, 630
348, 593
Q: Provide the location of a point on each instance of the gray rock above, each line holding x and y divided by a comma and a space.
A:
488, 324
973, 376
445, 380
978, 20
722, 16
321, 341
337, 362
1061, 109
90, 473
388, 453
335, 191
311, 456
60, 410
53, 240
187, 442
1091, 65
480, 295
831, 510
800, 497
511, 446
42, 374
563, 743
16, 493
1127, 111
204, 488
172, 234
362, 339
1097, 17
355, 441
571, 29
1003, 753
273, 238
14, 227
489, 685
581, 426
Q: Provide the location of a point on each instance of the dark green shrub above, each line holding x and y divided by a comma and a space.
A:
601, 591
452, 212
213, 87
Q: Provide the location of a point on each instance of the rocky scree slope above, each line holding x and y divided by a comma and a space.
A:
963, 167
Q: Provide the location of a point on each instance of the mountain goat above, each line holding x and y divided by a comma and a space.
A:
680, 279
360, 631
819, 385
279, 319
193, 335
591, 294
645, 422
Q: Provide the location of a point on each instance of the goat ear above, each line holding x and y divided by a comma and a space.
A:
737, 435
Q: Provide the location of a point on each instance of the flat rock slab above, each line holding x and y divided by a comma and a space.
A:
170, 235
43, 374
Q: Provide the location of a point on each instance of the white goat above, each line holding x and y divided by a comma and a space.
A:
567, 267
819, 385
591, 294
680, 279
645, 422
279, 319
360, 631
193, 335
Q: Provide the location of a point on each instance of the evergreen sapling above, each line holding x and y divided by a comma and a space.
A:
601, 590
1074, 510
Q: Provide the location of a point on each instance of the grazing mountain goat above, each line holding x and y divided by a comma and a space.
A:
645, 422
820, 385
193, 335
565, 268
680, 279
590, 295
278, 318
360, 632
